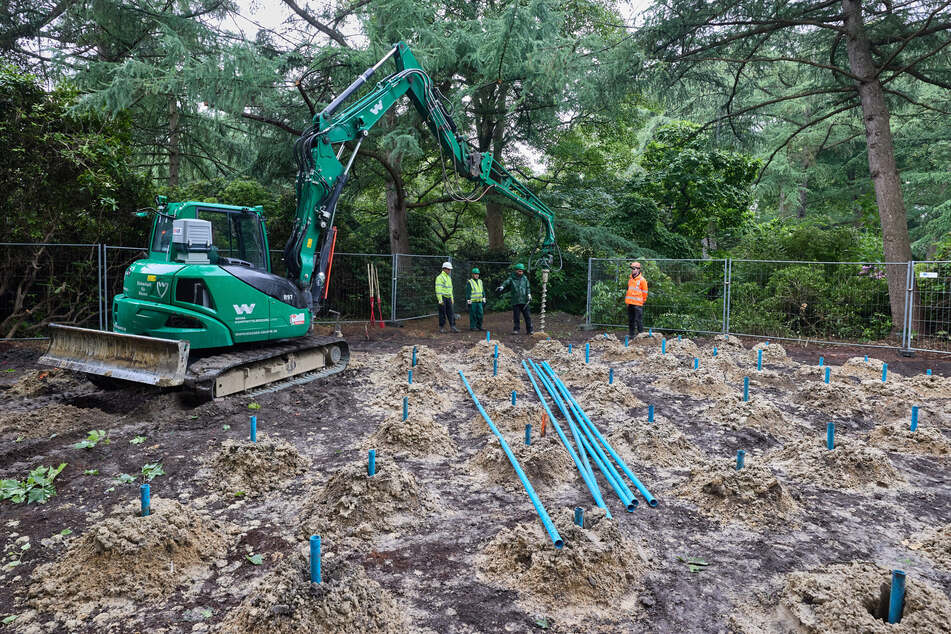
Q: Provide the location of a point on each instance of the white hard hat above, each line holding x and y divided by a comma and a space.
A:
447, 265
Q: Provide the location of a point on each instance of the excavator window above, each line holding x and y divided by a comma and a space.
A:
162, 234
237, 235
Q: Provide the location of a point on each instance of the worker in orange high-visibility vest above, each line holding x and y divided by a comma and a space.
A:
635, 298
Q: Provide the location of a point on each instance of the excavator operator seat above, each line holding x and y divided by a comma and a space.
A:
192, 240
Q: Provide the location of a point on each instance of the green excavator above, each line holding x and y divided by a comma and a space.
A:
204, 309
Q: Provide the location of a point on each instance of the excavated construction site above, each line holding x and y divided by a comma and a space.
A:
787, 498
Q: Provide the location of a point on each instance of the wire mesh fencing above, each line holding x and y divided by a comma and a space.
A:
836, 302
929, 312
116, 261
683, 295
415, 285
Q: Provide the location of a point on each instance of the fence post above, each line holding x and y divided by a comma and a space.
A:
101, 252
909, 309
726, 285
728, 292
396, 263
587, 312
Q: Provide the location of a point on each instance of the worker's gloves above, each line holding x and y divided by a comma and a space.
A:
529, 297
484, 300
469, 301
500, 289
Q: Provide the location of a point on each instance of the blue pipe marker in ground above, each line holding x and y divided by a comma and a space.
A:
678, 337
663, 346
866, 358
488, 335
579, 516
650, 332
528, 433
896, 600
759, 359
884, 372
371, 463
830, 436
254, 429
610, 376
739, 459
626, 340
514, 396
746, 388
414, 356
405, 407
315, 576
927, 372
410, 377
496, 353
569, 348
590, 483
495, 366
696, 363
650, 413
821, 361
651, 500
542, 513
828, 373
714, 351
914, 418
146, 500
767, 343
587, 352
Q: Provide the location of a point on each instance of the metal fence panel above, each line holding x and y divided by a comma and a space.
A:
929, 308
116, 261
416, 285
833, 302
685, 295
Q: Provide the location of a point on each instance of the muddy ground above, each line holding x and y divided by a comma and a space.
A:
444, 538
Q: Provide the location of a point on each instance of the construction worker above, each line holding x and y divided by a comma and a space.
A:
444, 298
521, 295
475, 298
635, 298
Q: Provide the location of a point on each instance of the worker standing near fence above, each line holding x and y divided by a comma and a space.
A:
635, 298
475, 298
444, 298
521, 295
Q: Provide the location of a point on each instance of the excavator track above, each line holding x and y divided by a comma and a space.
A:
267, 369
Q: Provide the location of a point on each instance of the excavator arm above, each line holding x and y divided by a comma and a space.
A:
322, 176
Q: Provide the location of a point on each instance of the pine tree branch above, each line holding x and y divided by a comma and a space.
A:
333, 34
274, 122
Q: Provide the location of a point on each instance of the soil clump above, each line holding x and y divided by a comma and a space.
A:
658, 444
772, 353
850, 464
594, 572
693, 383
428, 368
757, 413
418, 436
45, 421
255, 467
831, 398
508, 417
545, 463
49, 381
862, 369
934, 544
547, 349
485, 348
345, 602
683, 347
601, 399
423, 399
897, 436
847, 599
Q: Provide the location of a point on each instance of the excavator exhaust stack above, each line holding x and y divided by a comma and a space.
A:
150, 360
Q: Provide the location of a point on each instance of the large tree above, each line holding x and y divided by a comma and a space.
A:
749, 59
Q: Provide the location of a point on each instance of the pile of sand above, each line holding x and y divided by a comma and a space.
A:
833, 398
859, 368
605, 342
693, 383
683, 347
255, 467
724, 367
894, 399
545, 462
621, 354
429, 366
658, 444
51, 419
127, 559
757, 413
418, 435
929, 386
345, 602
935, 544
601, 399
484, 348
508, 417
850, 464
574, 371
773, 353
751, 495
547, 349
589, 576
897, 436
490, 388
423, 399
847, 598
661, 365
354, 504
50, 381
728, 342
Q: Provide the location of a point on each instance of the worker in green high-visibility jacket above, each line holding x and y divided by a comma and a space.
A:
521, 295
444, 297
475, 298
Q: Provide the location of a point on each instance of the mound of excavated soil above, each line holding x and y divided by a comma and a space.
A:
658, 444
490, 388
897, 436
683, 348
621, 354
485, 348
772, 353
862, 369
423, 399
660, 365
592, 573
893, 400
724, 367
418, 435
574, 371
757, 413
128, 559
345, 602
508, 417
847, 599
255, 467
693, 383
930, 386
352, 503
850, 464
547, 349
428, 369
545, 462
728, 341
601, 400
751, 495
935, 544
833, 398
51, 381
51, 419
604, 342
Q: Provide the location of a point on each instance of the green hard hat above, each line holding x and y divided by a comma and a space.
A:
519, 267
475, 270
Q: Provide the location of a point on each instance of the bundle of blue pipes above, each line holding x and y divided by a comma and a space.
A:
590, 444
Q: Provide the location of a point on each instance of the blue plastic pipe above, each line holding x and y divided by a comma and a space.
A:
610, 376
572, 427
928, 372
696, 363
866, 358
830, 436
828, 373
514, 396
410, 377
539, 508
678, 337
739, 458
714, 351
821, 361
405, 407
569, 348
914, 418
496, 353
626, 340
650, 332
884, 372
146, 499
663, 346
579, 516
587, 352
254, 429
650, 413
528, 433
896, 600
759, 359
488, 335
746, 388
651, 500
495, 366
589, 482
371, 463
315, 575
414, 356
767, 344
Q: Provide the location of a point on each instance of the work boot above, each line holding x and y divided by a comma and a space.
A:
515, 332
454, 329
442, 330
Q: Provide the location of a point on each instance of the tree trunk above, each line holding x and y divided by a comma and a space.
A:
881, 158
174, 154
490, 130
396, 198
494, 226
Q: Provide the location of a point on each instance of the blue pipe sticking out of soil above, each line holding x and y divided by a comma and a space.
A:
145, 496
315, 574
896, 600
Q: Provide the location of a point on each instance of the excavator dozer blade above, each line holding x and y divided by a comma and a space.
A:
160, 362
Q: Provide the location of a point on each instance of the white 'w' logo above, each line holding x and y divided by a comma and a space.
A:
243, 309
377, 107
